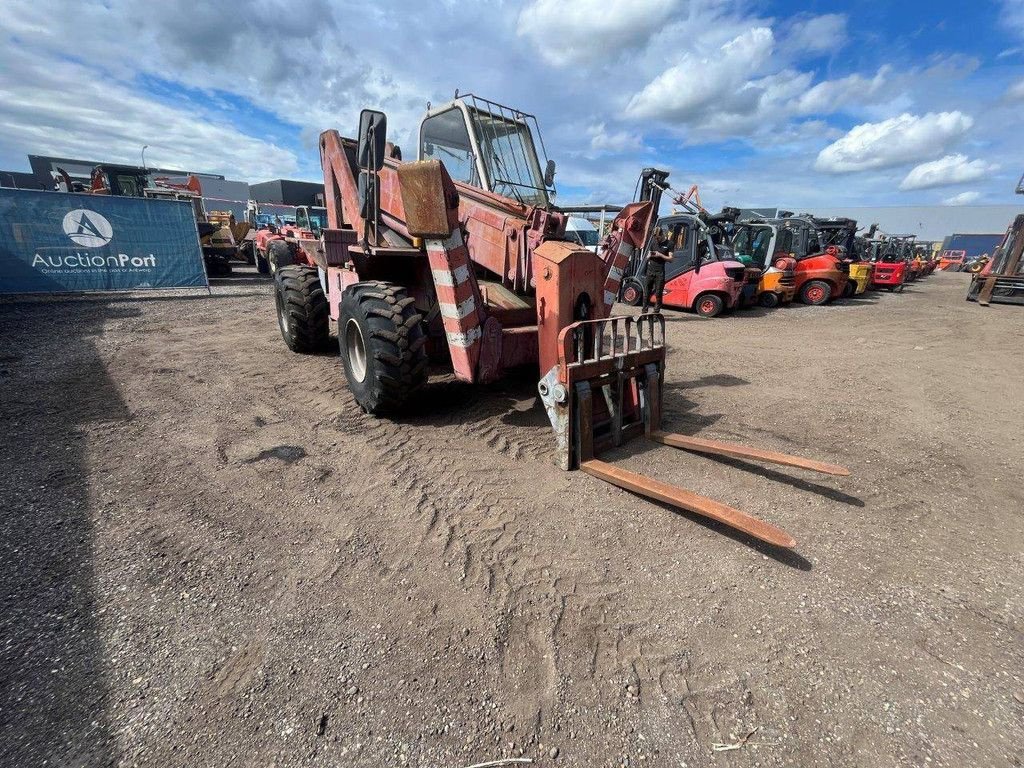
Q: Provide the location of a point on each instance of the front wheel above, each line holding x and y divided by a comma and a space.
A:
382, 345
768, 299
632, 292
302, 312
708, 305
815, 292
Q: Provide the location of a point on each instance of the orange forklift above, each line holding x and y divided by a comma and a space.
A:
819, 271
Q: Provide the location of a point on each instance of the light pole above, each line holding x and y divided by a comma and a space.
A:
144, 148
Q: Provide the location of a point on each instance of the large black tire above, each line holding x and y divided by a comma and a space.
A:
262, 265
279, 255
768, 299
302, 311
815, 292
382, 345
632, 292
708, 305
850, 288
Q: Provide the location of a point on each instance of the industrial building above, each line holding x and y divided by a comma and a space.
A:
288, 192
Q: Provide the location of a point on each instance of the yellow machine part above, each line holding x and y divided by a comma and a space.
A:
861, 275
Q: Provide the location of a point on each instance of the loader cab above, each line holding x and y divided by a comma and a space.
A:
490, 146
311, 219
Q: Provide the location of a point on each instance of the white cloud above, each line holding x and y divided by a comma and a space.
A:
577, 31
896, 141
619, 141
683, 91
831, 95
964, 198
1013, 16
1015, 92
818, 34
947, 171
103, 119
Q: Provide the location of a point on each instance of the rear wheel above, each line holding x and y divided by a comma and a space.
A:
279, 255
768, 299
632, 292
849, 289
382, 345
302, 311
708, 305
815, 292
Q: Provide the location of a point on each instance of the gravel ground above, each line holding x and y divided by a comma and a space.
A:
209, 557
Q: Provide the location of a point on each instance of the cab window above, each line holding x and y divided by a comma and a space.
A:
813, 242
758, 241
682, 250
444, 137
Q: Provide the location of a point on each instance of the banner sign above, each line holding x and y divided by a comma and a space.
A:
52, 242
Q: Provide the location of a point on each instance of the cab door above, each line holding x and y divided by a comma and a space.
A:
679, 272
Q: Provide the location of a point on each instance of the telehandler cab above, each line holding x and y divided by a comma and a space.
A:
460, 259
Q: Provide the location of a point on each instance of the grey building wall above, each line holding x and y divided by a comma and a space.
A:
288, 192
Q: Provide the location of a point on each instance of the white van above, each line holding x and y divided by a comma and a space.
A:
581, 231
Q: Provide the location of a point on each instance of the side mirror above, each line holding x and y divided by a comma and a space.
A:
373, 129
549, 174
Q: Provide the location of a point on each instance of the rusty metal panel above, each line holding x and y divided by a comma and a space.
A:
563, 273
428, 196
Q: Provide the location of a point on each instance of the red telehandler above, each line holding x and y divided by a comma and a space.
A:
460, 259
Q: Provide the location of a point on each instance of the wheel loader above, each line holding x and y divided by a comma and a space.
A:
459, 261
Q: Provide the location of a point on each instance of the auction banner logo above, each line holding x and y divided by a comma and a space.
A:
88, 228
58, 241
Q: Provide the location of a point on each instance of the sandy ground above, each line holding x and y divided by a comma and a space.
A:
210, 557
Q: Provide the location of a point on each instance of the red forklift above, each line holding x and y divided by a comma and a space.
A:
820, 272
889, 269
702, 275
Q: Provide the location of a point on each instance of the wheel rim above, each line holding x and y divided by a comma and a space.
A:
630, 295
355, 349
707, 306
282, 317
815, 294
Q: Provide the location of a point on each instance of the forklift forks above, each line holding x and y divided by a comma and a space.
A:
607, 389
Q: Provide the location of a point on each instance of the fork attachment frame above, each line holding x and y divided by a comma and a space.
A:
606, 389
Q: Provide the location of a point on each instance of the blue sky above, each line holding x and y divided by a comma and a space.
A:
759, 103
